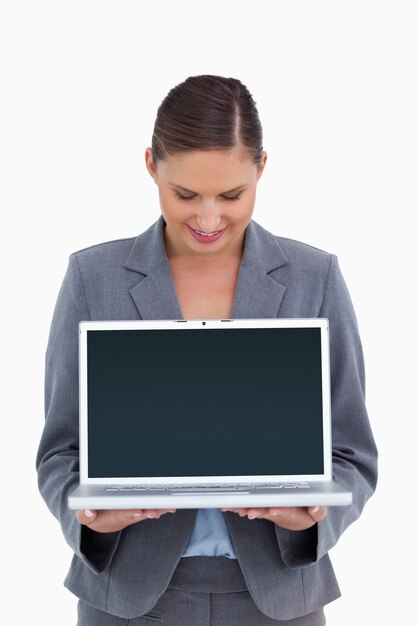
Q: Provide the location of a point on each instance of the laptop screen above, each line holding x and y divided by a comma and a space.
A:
204, 402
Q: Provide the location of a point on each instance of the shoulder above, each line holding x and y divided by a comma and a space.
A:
301, 252
305, 261
113, 252
140, 253
99, 269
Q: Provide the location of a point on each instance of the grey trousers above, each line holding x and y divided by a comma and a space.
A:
204, 591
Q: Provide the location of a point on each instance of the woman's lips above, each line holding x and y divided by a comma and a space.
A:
205, 238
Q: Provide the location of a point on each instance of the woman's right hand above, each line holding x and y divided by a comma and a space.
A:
110, 521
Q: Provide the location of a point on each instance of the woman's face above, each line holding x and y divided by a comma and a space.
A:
207, 200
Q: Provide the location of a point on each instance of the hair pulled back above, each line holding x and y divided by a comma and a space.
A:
207, 112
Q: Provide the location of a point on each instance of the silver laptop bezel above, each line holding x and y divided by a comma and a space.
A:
104, 325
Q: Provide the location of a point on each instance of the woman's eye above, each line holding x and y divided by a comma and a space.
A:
180, 197
231, 197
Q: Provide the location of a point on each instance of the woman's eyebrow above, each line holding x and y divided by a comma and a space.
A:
239, 188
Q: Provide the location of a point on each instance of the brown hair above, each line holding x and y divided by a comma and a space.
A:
205, 113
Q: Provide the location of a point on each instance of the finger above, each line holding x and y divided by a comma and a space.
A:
240, 511
317, 513
86, 517
254, 513
156, 513
281, 511
109, 520
117, 520
291, 518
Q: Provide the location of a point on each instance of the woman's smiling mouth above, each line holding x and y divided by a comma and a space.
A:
205, 237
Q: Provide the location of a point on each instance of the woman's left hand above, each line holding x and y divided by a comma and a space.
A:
289, 517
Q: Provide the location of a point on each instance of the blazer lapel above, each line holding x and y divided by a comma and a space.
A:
258, 294
154, 295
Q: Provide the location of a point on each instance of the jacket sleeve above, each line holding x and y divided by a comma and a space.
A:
57, 461
353, 445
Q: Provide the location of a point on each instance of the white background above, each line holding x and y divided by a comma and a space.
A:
335, 85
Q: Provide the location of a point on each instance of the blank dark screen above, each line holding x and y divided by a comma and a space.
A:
209, 402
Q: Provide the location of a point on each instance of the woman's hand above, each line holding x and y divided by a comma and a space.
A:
291, 517
109, 521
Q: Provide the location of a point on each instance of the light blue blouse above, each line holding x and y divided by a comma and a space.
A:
210, 536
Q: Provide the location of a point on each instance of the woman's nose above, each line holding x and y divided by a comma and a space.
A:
209, 218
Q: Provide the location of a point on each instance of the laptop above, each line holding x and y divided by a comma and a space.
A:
205, 414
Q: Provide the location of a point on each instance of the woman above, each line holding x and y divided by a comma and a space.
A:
204, 258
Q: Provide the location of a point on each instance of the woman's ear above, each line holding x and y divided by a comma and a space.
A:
261, 166
150, 165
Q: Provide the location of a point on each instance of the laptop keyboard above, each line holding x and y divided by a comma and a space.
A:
209, 487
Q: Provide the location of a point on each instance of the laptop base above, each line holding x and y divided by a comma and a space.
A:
99, 497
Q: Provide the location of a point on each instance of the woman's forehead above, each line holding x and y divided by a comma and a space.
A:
226, 167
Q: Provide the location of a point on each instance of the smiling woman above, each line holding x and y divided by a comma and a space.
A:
205, 257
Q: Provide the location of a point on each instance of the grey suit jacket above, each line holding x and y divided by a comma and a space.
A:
288, 573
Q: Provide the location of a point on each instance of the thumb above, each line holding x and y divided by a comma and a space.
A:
86, 517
